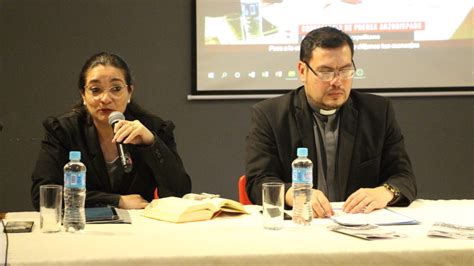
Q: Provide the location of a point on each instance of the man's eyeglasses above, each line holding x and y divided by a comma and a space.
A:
346, 73
115, 91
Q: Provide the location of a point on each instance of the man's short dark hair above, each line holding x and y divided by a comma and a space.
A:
325, 37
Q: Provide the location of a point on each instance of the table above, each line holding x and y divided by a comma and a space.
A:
241, 240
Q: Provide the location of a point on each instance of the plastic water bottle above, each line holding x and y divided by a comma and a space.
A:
74, 193
302, 177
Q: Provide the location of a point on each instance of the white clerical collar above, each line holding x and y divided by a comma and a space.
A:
327, 112
320, 111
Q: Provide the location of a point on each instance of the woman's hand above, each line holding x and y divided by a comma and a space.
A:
132, 132
133, 201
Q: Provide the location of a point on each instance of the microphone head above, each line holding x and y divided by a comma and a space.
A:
115, 116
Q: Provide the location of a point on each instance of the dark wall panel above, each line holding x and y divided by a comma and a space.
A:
45, 42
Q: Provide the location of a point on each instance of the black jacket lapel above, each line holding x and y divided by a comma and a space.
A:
96, 156
304, 121
348, 128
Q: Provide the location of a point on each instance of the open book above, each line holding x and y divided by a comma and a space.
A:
186, 209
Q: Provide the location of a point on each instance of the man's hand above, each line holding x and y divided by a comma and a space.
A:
367, 199
319, 203
133, 201
321, 206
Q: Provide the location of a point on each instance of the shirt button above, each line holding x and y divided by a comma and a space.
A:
158, 154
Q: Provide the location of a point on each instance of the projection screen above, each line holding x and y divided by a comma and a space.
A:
250, 48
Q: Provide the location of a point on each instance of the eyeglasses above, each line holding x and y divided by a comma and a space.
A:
347, 73
115, 92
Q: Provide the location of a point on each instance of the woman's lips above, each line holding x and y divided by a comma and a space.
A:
106, 111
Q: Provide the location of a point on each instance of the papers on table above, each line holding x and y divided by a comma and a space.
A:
452, 230
367, 225
367, 232
377, 217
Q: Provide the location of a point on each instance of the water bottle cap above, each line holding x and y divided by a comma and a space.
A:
302, 152
75, 155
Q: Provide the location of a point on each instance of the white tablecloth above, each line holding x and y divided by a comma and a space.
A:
241, 240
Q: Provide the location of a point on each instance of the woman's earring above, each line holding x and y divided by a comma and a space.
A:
84, 103
128, 100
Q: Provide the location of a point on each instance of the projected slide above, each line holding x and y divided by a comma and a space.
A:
400, 45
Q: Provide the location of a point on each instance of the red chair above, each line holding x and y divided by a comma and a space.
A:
155, 194
243, 197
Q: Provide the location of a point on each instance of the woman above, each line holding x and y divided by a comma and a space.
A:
106, 85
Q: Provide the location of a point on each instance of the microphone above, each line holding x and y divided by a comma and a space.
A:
125, 159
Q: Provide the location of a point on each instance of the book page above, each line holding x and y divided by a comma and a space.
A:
3, 245
176, 204
175, 209
223, 204
227, 205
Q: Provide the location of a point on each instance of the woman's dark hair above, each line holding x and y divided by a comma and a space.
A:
105, 59
108, 59
325, 37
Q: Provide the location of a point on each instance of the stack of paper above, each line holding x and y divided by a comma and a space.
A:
452, 230
367, 232
377, 217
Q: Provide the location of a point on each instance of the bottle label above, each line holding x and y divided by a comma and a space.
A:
302, 175
75, 179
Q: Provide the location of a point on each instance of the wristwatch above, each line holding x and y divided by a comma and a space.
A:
395, 191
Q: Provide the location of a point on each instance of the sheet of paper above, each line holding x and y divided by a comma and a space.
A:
451, 230
367, 232
378, 217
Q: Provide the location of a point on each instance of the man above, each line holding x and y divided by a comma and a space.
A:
353, 139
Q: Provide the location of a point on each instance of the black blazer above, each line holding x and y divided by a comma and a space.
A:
371, 148
155, 166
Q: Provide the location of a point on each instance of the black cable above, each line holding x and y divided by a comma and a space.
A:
6, 246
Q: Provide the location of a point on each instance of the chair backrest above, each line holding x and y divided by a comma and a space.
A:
243, 197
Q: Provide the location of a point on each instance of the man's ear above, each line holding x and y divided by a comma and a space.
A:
302, 69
